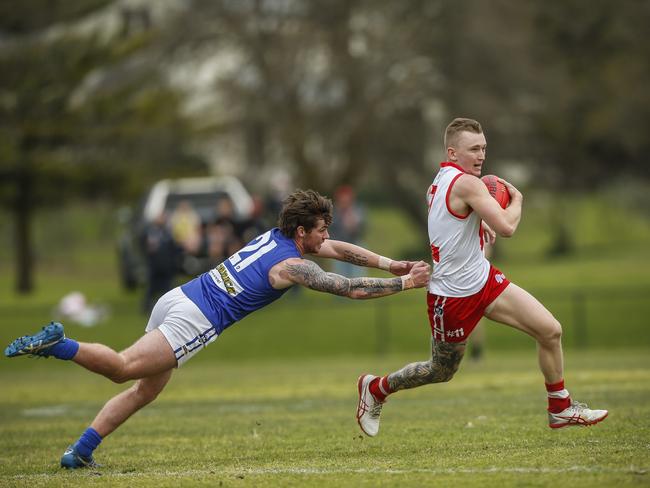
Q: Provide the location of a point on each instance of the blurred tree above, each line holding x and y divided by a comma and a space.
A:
334, 87
596, 61
24, 18
487, 73
559, 86
339, 91
329, 88
597, 106
360, 91
560, 89
77, 119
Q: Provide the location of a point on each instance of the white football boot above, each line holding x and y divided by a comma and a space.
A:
369, 407
576, 414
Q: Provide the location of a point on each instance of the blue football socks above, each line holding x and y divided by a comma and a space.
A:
66, 349
88, 442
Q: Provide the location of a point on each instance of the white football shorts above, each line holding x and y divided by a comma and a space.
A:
182, 323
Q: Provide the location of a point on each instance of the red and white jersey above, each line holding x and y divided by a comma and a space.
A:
459, 265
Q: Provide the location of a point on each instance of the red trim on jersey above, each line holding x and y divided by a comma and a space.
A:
453, 165
435, 253
432, 192
458, 216
480, 234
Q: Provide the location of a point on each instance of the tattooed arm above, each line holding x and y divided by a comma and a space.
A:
345, 251
307, 273
351, 253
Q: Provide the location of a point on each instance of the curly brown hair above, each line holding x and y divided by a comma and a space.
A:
304, 208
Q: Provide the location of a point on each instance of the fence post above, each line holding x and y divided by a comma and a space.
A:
382, 326
580, 319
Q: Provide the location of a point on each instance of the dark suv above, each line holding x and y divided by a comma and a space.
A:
202, 194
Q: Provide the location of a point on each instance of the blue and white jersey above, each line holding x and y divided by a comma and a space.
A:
240, 285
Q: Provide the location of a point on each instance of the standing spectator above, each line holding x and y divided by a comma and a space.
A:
348, 225
161, 255
185, 224
279, 187
255, 224
223, 234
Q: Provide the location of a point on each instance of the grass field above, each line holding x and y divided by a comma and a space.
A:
272, 402
291, 423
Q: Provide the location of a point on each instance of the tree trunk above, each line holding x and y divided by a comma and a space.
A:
255, 143
22, 214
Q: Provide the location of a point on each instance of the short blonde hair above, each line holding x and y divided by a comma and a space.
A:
459, 125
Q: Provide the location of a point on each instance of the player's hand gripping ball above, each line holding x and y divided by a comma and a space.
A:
497, 189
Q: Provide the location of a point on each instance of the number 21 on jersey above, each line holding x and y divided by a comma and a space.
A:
240, 260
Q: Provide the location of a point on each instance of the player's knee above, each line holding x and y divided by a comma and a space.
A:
446, 375
119, 377
120, 373
556, 331
446, 361
145, 393
439, 373
552, 333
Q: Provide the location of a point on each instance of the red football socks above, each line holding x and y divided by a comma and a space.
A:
558, 397
379, 388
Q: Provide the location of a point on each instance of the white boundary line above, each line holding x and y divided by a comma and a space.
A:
331, 471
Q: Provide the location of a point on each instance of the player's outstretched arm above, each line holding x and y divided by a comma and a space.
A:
309, 274
351, 253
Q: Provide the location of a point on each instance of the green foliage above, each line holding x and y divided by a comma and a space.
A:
78, 115
113, 144
26, 17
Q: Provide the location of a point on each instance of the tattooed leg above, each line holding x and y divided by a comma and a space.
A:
444, 362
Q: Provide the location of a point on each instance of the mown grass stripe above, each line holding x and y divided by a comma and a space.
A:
337, 471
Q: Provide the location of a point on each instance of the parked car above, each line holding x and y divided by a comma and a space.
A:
202, 194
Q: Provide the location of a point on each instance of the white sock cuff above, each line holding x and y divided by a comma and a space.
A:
381, 388
559, 394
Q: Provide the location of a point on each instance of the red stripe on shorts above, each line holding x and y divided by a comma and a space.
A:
452, 319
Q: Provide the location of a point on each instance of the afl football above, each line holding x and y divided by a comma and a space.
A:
497, 189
